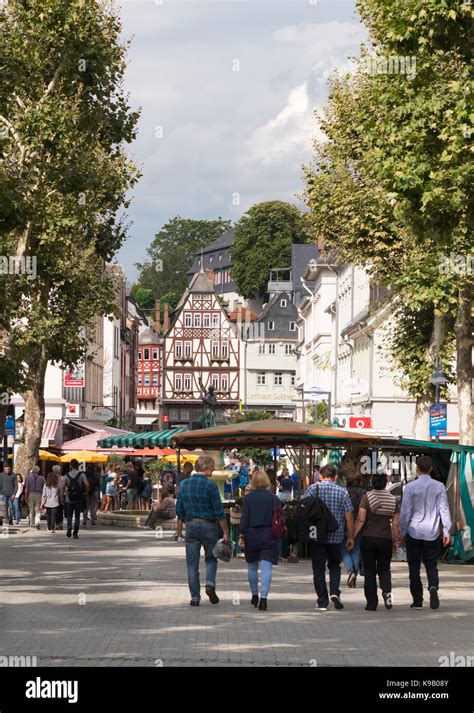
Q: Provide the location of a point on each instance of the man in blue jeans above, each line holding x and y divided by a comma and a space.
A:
199, 506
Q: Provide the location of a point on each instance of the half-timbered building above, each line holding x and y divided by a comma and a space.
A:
201, 348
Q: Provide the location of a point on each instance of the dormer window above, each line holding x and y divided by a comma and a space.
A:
292, 326
271, 326
282, 303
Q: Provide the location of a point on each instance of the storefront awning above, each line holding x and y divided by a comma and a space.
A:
50, 426
146, 439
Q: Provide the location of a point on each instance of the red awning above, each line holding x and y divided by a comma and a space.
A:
50, 426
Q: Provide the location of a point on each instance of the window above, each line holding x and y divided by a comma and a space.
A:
197, 319
154, 378
278, 378
188, 319
139, 356
220, 258
225, 350
272, 348
261, 377
215, 350
178, 350
293, 378
261, 348
224, 382
146, 354
215, 321
217, 280
211, 259
288, 349
282, 303
147, 380
187, 350
271, 326
215, 381
139, 380
155, 353
178, 382
207, 320
292, 326
187, 382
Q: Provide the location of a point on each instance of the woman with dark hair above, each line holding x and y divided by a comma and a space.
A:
379, 525
351, 558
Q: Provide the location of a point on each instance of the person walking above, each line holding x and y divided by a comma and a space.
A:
90, 500
50, 499
184, 475
60, 509
34, 485
329, 553
8, 487
18, 498
255, 538
351, 558
424, 510
73, 486
199, 506
378, 524
286, 485
164, 509
131, 487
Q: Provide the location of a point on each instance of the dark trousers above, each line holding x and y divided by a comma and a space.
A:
156, 515
425, 551
320, 556
59, 515
73, 509
51, 518
376, 556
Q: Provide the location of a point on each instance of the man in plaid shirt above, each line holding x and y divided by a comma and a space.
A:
338, 501
199, 505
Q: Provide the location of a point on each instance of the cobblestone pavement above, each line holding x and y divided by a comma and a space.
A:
120, 597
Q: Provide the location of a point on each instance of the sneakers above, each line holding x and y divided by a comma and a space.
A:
180, 539
69, 532
434, 599
211, 593
38, 526
416, 605
193, 603
336, 601
318, 608
352, 580
388, 600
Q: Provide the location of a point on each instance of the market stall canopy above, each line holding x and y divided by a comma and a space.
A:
185, 457
269, 433
44, 455
145, 439
84, 457
89, 441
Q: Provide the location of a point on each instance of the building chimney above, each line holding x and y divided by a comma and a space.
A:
157, 315
210, 275
166, 319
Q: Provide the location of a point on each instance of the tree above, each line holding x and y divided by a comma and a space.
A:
263, 240
172, 252
390, 190
66, 118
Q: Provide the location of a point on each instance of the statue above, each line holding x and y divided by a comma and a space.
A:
209, 402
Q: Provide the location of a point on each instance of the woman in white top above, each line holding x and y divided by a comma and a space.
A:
17, 500
50, 499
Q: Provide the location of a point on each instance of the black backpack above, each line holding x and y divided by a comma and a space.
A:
74, 488
314, 520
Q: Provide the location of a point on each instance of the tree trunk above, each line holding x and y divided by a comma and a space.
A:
421, 425
27, 455
464, 370
3, 418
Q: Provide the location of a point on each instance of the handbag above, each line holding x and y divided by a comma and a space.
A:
279, 531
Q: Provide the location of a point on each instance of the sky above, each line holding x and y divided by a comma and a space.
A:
227, 91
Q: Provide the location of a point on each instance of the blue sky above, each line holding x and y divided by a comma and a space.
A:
228, 90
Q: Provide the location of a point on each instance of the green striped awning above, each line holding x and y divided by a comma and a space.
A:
145, 439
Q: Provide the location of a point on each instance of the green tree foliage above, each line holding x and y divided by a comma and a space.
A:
172, 252
391, 189
263, 240
64, 120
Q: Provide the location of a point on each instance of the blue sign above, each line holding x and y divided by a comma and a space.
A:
438, 420
9, 426
275, 452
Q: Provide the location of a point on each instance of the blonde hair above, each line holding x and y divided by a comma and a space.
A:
260, 481
205, 463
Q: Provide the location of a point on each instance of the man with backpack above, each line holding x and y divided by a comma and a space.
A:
332, 510
74, 486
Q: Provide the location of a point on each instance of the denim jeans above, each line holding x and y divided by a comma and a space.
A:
266, 570
7, 501
17, 510
200, 534
73, 509
351, 559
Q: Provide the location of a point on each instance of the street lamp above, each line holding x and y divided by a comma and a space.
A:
438, 377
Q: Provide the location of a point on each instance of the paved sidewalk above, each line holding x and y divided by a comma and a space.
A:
120, 597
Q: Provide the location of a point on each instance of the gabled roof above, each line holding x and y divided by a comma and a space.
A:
200, 283
148, 336
268, 307
226, 240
